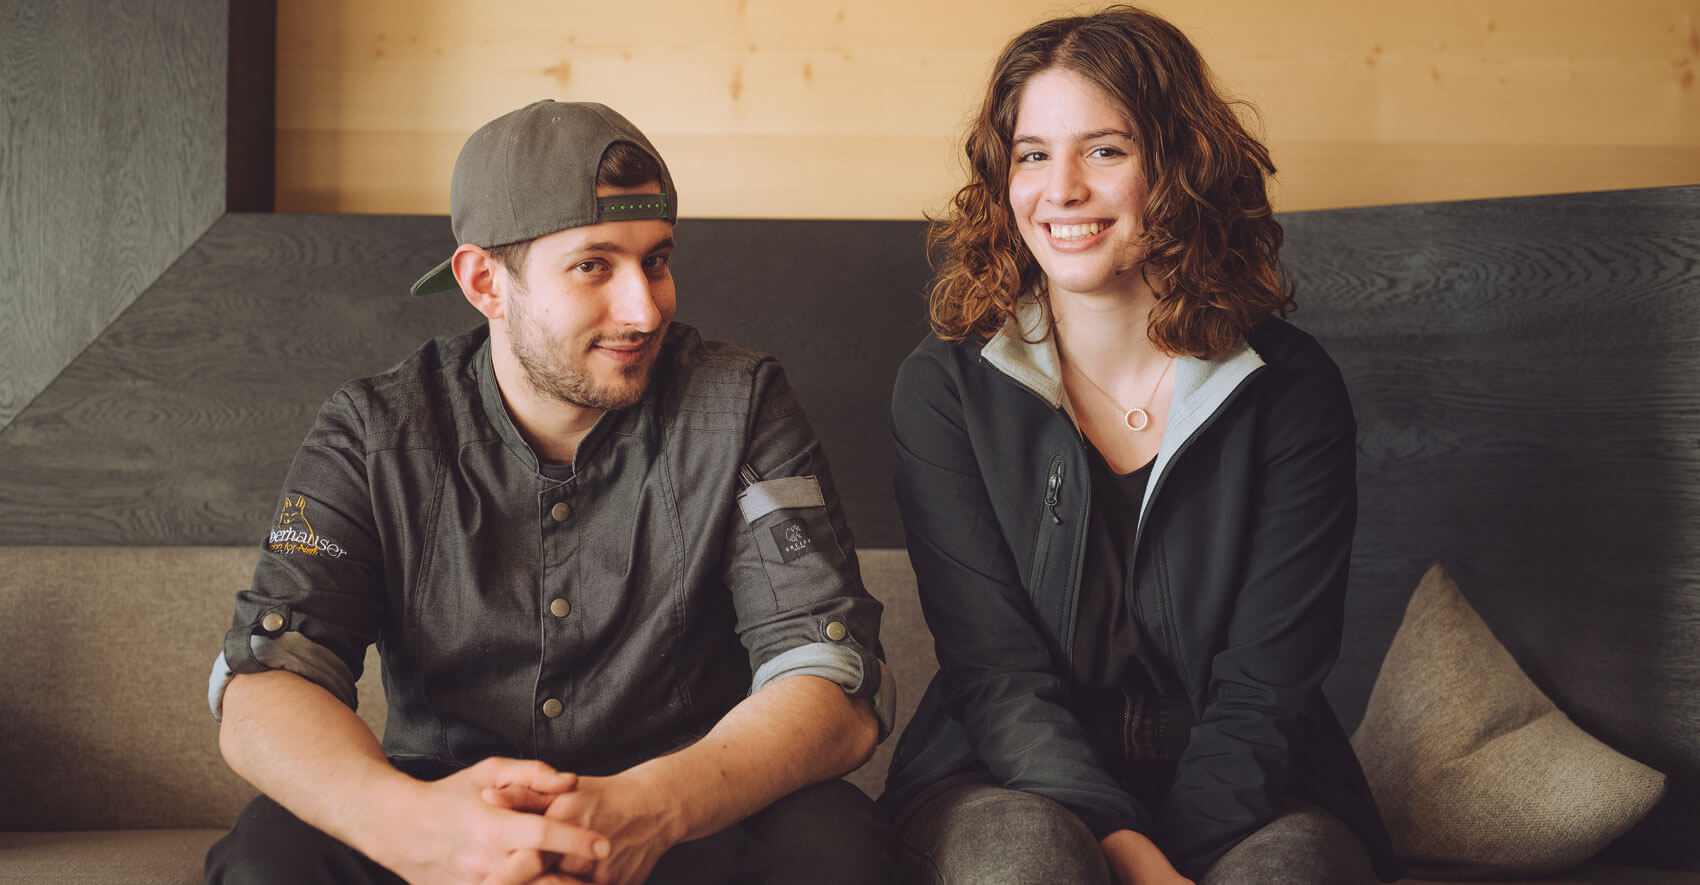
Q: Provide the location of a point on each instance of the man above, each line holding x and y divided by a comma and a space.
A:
618, 608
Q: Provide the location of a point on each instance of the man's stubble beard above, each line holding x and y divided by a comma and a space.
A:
556, 368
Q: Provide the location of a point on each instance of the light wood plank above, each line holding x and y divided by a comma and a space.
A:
778, 176
1495, 98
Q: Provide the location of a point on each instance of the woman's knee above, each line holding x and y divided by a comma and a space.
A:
972, 832
1305, 845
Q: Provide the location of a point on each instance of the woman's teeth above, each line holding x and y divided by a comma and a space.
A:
1075, 231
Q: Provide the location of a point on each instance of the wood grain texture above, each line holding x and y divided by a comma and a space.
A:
854, 110
111, 164
178, 425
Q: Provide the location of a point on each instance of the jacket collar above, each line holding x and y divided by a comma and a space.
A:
1026, 350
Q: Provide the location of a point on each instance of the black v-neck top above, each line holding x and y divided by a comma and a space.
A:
1111, 651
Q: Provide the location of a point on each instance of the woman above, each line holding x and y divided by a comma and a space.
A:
1128, 491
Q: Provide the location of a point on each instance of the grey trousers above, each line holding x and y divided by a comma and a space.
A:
964, 830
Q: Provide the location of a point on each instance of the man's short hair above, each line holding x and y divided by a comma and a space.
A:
623, 165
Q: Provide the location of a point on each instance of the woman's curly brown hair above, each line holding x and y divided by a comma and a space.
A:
1211, 238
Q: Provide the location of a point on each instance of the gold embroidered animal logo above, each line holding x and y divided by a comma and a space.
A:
294, 534
294, 511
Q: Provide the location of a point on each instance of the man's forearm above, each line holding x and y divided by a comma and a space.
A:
299, 745
311, 754
794, 732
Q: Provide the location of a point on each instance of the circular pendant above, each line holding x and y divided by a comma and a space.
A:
1137, 419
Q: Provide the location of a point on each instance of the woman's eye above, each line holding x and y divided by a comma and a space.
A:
1106, 152
1030, 157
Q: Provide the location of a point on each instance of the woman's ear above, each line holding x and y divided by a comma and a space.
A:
476, 271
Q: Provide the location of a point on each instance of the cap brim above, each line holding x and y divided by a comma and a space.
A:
440, 279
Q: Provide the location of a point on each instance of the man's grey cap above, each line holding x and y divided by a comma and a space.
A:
533, 172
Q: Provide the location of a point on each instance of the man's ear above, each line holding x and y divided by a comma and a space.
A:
479, 276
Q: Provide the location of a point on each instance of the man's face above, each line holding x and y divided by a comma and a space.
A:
586, 315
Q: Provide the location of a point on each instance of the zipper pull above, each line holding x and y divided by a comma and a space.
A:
1051, 487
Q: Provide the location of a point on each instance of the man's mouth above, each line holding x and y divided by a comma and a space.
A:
626, 352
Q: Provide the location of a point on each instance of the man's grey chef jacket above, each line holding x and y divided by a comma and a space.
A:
592, 623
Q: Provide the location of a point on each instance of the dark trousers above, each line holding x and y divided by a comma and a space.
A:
828, 833
966, 831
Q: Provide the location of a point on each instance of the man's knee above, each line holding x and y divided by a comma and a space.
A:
828, 832
973, 832
269, 844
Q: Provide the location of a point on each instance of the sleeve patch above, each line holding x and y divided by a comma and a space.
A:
294, 533
793, 539
783, 493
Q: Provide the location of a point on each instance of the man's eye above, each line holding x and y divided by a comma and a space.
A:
587, 267
658, 261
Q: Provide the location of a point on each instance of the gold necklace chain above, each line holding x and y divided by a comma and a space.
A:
1128, 415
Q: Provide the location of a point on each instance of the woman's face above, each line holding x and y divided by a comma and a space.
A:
1076, 186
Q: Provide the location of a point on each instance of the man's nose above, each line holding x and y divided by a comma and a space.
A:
634, 301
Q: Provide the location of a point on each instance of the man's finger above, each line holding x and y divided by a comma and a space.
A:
528, 773
518, 798
518, 868
542, 834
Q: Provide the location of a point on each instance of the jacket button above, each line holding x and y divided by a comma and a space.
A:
836, 631
559, 608
560, 511
272, 622
552, 708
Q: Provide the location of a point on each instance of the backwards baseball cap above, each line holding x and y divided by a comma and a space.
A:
533, 172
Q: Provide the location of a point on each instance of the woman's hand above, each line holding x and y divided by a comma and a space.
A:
1136, 860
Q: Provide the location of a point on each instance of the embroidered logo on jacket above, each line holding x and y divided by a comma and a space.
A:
793, 539
294, 534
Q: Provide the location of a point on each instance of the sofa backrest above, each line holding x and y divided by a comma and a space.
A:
105, 653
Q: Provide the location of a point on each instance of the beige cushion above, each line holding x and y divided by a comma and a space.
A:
1477, 773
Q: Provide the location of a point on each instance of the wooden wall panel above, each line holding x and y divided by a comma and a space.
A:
177, 426
854, 110
111, 163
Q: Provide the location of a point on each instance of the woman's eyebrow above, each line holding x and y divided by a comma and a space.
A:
1081, 136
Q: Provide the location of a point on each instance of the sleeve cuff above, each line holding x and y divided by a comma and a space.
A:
838, 664
285, 651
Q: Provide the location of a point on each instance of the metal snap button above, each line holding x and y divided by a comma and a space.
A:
272, 622
560, 511
559, 608
836, 631
552, 708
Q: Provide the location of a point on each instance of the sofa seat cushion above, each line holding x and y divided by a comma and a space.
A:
132, 857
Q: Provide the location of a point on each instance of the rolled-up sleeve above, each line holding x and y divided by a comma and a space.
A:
791, 560
316, 601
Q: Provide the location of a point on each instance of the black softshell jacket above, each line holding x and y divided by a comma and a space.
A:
1242, 552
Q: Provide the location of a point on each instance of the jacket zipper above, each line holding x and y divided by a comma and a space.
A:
1049, 519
